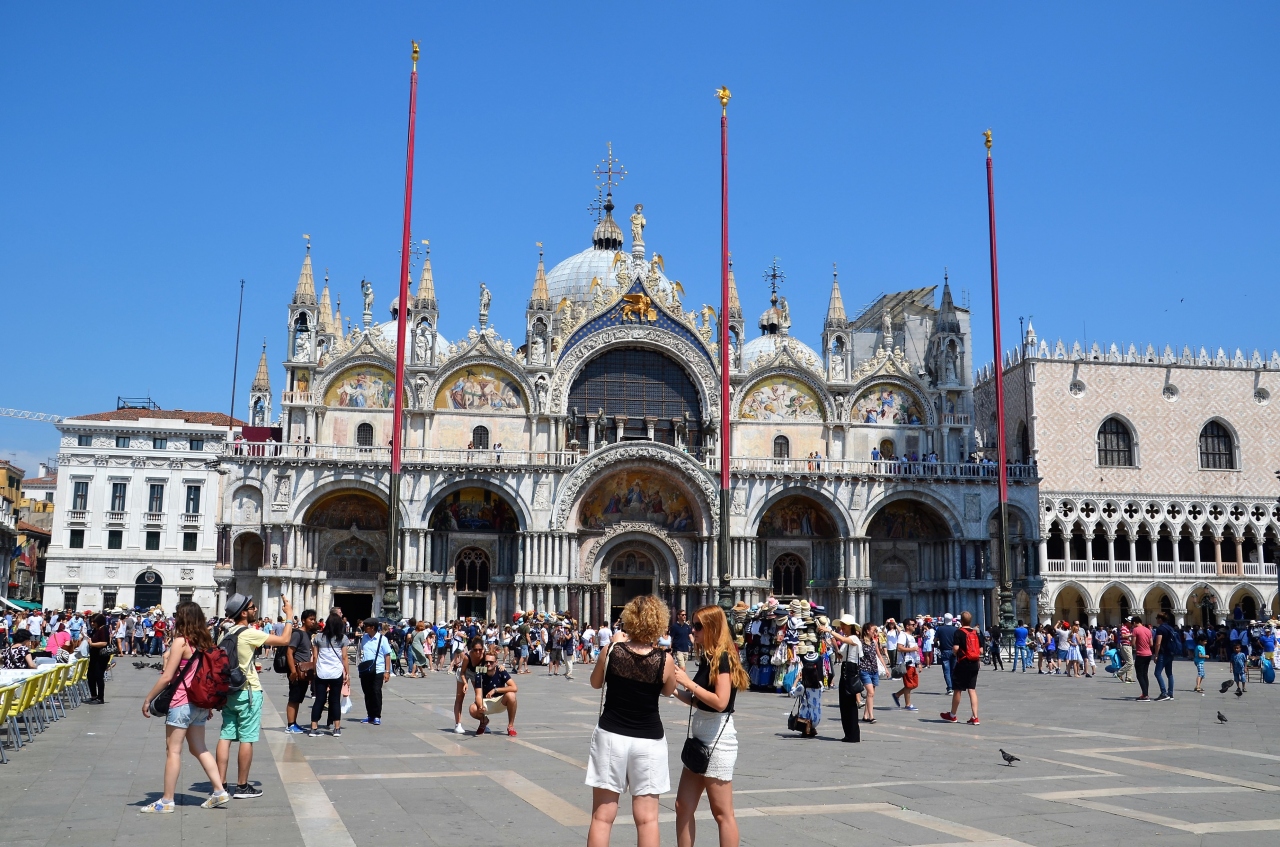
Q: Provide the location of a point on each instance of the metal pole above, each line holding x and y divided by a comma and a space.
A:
391, 586
235, 365
1006, 585
725, 596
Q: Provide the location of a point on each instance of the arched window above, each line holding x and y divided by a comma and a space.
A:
364, 435
635, 384
788, 576
1024, 443
480, 438
781, 447
1115, 444
472, 571
1217, 449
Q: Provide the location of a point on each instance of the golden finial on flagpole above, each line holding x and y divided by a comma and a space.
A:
987, 136
723, 93
304, 235
415, 55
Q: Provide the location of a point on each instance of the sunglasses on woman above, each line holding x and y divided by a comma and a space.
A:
697, 626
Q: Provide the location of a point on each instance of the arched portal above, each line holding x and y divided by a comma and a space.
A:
633, 572
1203, 605
800, 549
471, 581
1114, 606
908, 560
1070, 605
1159, 600
147, 590
348, 528
475, 545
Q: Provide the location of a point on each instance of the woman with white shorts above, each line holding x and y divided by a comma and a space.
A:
629, 747
711, 692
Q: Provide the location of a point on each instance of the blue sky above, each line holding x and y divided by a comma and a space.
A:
153, 155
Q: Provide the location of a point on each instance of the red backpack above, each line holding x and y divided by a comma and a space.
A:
970, 646
210, 683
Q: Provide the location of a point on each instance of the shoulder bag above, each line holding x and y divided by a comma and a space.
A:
159, 705
368, 665
696, 756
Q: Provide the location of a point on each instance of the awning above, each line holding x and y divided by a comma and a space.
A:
25, 605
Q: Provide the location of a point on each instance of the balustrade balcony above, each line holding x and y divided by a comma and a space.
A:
1158, 569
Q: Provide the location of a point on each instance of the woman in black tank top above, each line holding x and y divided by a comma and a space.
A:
629, 747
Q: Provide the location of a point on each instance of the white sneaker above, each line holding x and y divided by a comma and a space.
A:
458, 730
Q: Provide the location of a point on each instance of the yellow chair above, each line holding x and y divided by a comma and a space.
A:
41, 701
19, 709
58, 694
76, 681
6, 703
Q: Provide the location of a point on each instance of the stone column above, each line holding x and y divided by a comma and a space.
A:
1111, 552
1217, 553
262, 604
1092, 614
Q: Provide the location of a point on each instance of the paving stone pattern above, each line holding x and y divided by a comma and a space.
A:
1097, 768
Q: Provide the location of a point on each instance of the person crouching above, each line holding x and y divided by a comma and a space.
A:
495, 694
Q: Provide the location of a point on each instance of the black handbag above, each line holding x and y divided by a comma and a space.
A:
793, 719
696, 756
851, 679
159, 705
368, 665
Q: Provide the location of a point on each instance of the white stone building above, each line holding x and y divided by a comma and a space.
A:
571, 467
1158, 487
136, 518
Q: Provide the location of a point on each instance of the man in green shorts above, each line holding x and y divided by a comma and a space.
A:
242, 716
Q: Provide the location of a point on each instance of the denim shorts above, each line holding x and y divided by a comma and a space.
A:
868, 678
186, 715
1062, 655
524, 652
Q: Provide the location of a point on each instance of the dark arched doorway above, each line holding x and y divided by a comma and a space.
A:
800, 545
147, 590
471, 581
907, 546
350, 528
475, 546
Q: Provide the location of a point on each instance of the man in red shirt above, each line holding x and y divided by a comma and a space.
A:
1141, 636
1126, 653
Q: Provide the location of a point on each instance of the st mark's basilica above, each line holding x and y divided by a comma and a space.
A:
572, 465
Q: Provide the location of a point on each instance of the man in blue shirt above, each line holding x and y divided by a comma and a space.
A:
945, 638
375, 669
495, 694
1167, 642
681, 638
1020, 648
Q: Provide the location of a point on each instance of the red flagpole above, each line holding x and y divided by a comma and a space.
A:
390, 599
1006, 589
726, 592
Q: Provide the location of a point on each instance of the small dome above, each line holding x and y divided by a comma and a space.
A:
766, 345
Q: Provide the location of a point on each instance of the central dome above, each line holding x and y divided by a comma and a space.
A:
572, 277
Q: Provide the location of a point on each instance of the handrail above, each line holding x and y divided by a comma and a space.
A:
944, 470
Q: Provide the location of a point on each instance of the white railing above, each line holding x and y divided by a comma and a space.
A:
936, 470
1185, 569
116, 517
77, 516
412, 455
190, 519
153, 518
301, 398
955, 420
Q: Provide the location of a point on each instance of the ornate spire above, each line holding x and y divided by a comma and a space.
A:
948, 320
305, 293
262, 380
326, 306
540, 299
735, 305
426, 282
337, 318
835, 309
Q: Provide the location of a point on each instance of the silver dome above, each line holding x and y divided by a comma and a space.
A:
572, 277
766, 345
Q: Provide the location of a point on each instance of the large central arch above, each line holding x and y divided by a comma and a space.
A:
907, 546
647, 456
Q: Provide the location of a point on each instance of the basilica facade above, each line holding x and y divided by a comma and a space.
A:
573, 464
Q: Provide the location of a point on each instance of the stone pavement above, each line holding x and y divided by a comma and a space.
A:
1097, 768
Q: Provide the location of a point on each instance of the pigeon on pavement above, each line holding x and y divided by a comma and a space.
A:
1222, 718
1009, 758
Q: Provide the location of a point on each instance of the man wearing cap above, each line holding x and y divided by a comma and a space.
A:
242, 716
945, 638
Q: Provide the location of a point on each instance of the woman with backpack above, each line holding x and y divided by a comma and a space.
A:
333, 672
184, 721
